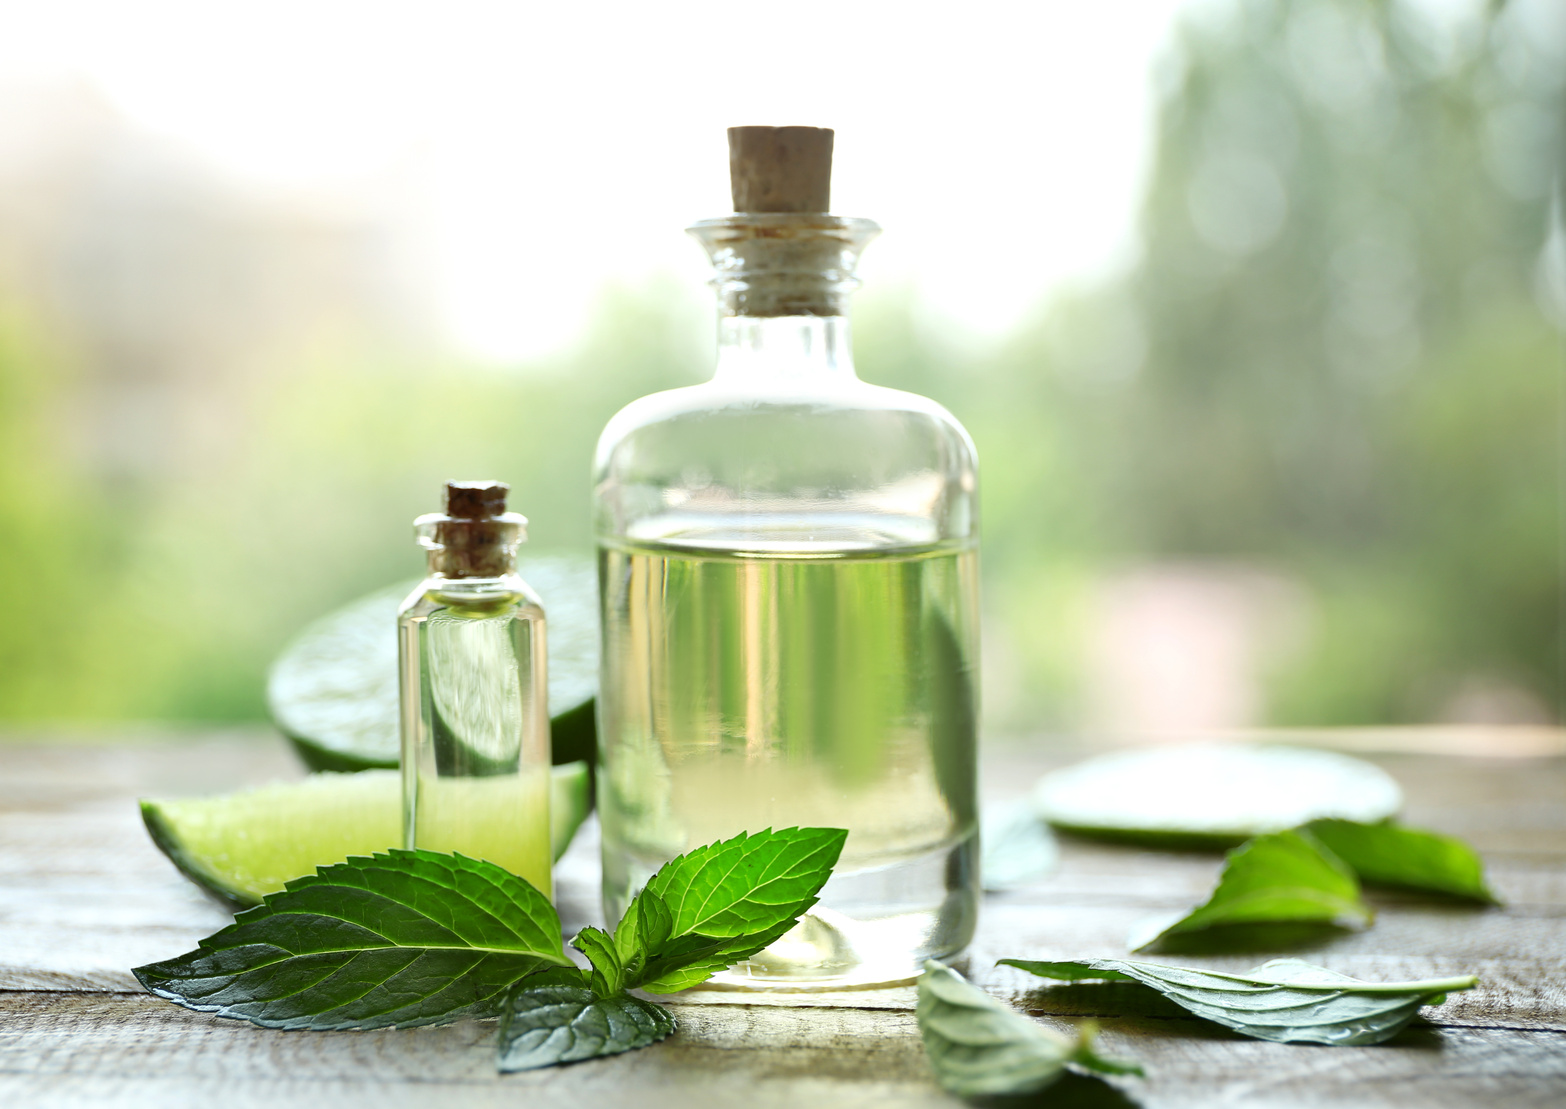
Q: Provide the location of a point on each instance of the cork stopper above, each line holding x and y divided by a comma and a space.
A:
476, 500
475, 537
781, 169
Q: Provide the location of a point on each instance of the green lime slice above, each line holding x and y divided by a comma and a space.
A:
1212, 795
240, 847
333, 690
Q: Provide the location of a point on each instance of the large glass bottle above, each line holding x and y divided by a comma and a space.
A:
474, 685
788, 576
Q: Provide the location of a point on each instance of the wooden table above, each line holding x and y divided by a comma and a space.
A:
84, 896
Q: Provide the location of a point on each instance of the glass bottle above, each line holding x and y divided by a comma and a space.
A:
788, 578
475, 716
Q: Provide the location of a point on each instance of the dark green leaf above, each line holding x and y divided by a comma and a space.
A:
687, 961
722, 903
978, 1046
409, 937
749, 883
1280, 878
655, 924
545, 1025
1390, 855
1017, 847
608, 976
1286, 1000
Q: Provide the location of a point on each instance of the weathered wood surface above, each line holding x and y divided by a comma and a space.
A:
84, 896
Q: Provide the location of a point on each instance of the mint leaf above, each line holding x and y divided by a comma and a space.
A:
688, 961
1286, 1000
544, 1025
1279, 878
747, 884
978, 1046
404, 938
608, 975
655, 923
1387, 854
722, 903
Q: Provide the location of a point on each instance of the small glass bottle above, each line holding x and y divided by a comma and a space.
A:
788, 571
475, 716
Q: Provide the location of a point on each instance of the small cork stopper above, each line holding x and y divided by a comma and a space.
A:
475, 537
475, 500
781, 169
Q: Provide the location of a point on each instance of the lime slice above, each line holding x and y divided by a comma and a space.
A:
333, 690
241, 846
1212, 795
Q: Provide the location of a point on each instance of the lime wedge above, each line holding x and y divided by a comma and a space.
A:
1212, 795
333, 690
241, 846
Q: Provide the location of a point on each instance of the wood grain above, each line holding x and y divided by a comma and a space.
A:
84, 896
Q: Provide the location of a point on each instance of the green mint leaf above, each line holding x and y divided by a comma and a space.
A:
544, 1025
979, 1046
655, 923
1390, 855
608, 974
690, 960
747, 884
722, 903
1286, 1000
1279, 878
405, 938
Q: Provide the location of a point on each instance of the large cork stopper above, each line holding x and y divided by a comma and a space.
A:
781, 169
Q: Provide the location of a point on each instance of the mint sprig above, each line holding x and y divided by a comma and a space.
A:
404, 938
417, 937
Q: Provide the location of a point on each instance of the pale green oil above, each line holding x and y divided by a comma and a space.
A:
476, 729
744, 691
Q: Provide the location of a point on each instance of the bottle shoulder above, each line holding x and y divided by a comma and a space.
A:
697, 412
850, 464
510, 598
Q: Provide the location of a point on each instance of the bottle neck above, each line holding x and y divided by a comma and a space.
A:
783, 281
481, 549
784, 348
507, 582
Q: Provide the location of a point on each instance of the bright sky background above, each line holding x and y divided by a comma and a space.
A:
544, 147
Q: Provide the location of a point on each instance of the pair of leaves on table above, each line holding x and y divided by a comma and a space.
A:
979, 1046
415, 937
1310, 876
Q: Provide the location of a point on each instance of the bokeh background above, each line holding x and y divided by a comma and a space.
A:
1254, 309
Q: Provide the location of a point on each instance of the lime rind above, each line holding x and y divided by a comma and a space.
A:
241, 846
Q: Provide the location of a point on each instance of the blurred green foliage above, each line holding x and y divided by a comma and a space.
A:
1333, 358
